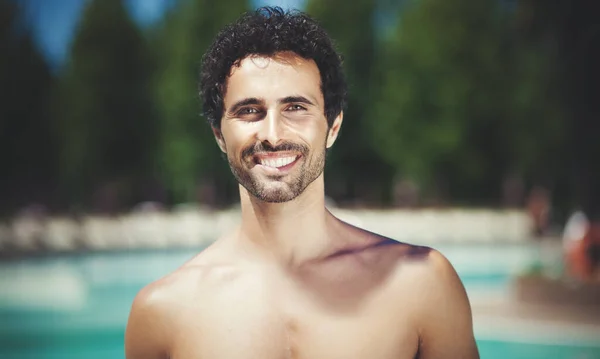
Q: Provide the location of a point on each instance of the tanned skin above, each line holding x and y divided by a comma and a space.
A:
293, 281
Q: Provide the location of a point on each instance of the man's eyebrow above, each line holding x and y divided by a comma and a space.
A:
298, 99
244, 102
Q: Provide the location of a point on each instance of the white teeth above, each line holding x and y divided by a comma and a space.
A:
277, 162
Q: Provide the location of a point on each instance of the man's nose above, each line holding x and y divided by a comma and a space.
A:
271, 129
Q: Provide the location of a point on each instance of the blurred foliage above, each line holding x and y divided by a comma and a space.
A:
188, 151
442, 88
27, 146
455, 97
461, 99
106, 122
354, 169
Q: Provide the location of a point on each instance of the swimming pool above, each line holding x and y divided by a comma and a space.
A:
77, 306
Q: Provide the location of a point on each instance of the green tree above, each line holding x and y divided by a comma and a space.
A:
27, 155
442, 94
188, 151
105, 112
569, 35
355, 169
537, 118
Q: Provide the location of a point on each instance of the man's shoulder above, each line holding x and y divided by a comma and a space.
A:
396, 250
428, 281
430, 278
160, 292
200, 277
158, 300
156, 309
428, 284
197, 277
424, 265
436, 270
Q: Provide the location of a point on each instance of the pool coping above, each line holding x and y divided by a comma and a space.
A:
505, 319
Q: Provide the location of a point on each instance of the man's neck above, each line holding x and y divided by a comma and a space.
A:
293, 232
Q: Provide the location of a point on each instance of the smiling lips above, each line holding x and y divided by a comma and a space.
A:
276, 161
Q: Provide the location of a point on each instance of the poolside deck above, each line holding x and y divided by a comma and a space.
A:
509, 317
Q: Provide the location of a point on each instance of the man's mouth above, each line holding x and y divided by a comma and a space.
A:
277, 162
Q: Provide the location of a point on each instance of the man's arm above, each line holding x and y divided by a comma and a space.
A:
146, 335
446, 325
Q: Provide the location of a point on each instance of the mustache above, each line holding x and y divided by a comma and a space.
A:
262, 147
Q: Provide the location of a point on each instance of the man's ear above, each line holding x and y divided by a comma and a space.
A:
334, 130
219, 137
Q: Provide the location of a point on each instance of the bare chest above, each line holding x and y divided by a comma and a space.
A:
268, 336
255, 324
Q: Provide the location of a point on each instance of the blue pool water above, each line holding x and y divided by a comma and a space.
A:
77, 307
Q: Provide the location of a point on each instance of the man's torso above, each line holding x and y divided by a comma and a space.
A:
356, 305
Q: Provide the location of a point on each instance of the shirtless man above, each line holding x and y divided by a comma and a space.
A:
293, 281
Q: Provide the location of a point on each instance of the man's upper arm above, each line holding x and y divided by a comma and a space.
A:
446, 329
147, 328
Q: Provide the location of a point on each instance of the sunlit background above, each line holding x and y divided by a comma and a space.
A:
473, 126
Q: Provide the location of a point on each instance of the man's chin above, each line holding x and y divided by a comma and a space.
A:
273, 195
275, 200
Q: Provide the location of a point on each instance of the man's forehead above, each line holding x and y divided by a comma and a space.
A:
274, 77
278, 61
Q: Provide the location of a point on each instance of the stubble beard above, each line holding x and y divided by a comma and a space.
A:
275, 190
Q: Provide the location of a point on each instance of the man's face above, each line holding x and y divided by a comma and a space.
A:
273, 129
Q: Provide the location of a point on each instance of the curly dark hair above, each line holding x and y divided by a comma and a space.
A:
267, 31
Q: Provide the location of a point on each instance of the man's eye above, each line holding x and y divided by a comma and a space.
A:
296, 108
247, 111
